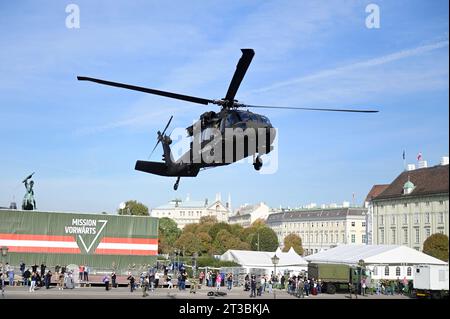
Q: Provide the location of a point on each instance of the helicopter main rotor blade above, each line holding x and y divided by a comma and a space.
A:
188, 98
309, 108
241, 69
168, 123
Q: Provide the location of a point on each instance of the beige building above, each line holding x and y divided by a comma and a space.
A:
190, 212
321, 229
247, 214
413, 207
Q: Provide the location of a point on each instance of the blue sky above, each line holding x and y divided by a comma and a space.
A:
83, 139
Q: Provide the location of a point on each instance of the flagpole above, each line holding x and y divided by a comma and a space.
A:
404, 161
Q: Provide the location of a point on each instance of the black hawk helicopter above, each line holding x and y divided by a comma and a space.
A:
231, 116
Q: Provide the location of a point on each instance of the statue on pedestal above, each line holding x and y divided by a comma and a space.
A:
29, 202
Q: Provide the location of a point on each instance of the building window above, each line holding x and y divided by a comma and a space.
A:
405, 218
405, 236
441, 218
353, 238
427, 232
381, 220
375, 271
393, 219
353, 224
417, 204
397, 271
409, 271
416, 218
343, 238
364, 239
405, 205
394, 239
386, 271
427, 203
331, 238
363, 224
417, 236
427, 218
441, 202
381, 236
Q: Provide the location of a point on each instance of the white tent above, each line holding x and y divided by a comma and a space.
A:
385, 261
288, 261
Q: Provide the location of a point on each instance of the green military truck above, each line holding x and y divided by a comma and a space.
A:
337, 276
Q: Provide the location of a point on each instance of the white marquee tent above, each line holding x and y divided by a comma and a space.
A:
385, 261
288, 261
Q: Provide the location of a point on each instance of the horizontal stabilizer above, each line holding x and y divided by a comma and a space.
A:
156, 168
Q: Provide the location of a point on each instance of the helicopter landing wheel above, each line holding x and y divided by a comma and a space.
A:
258, 163
175, 187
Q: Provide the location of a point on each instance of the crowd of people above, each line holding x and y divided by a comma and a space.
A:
299, 285
35, 276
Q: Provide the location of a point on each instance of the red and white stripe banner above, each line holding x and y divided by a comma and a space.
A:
68, 245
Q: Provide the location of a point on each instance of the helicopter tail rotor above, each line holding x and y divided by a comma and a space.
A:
161, 136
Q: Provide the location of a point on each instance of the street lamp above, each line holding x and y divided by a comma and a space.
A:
275, 260
194, 263
4, 253
194, 269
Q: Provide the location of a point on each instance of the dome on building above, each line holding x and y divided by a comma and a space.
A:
408, 187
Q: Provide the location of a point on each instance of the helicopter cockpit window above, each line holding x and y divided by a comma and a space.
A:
264, 119
244, 116
232, 119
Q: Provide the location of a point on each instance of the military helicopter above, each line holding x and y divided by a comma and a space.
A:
205, 131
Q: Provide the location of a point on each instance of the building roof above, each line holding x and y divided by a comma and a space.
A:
183, 204
375, 191
427, 181
249, 258
373, 254
317, 214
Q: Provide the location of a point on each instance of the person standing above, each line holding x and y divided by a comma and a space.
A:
156, 280
106, 281
11, 276
60, 281
363, 286
230, 281
2, 278
113, 278
201, 277
301, 288
80, 272
48, 279
26, 277
253, 286
86, 273
145, 285
132, 280
218, 281
33, 281
22, 267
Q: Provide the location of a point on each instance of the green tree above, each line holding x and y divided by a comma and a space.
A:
225, 241
268, 240
188, 243
190, 228
133, 207
293, 241
216, 228
437, 246
168, 234
205, 243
